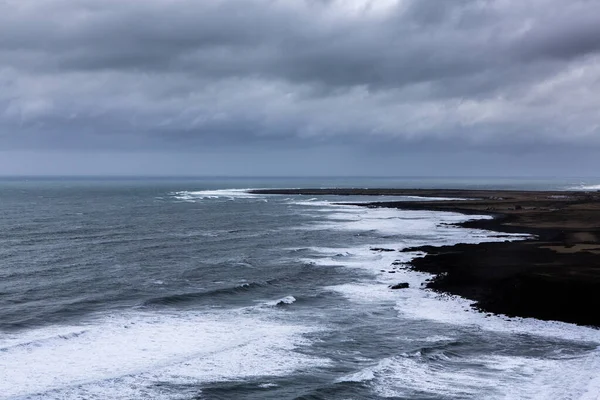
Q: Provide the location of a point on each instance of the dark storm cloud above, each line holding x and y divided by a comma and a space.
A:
183, 73
570, 33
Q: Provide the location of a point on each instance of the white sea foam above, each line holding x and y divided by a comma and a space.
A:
454, 310
229, 194
283, 301
123, 356
326, 206
585, 187
489, 377
431, 339
501, 377
415, 228
314, 203
267, 385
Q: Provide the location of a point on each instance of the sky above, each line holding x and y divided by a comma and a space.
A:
300, 87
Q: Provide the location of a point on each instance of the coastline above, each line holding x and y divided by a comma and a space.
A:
555, 275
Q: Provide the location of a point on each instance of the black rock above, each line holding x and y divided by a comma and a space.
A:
403, 285
380, 249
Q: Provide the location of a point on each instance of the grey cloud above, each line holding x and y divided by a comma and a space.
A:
567, 33
238, 38
188, 74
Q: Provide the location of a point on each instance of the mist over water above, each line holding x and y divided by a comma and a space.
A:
195, 289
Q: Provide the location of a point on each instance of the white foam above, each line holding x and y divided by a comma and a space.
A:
267, 385
585, 187
284, 300
326, 205
352, 257
489, 377
506, 377
416, 227
431, 339
315, 203
122, 356
454, 310
363, 293
364, 375
229, 194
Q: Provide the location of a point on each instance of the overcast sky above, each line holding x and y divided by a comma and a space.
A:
297, 87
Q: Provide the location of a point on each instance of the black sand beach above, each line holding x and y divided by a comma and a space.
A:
553, 276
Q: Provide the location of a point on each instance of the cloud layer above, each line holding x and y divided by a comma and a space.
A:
187, 74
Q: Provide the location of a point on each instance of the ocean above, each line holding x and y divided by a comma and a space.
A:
193, 288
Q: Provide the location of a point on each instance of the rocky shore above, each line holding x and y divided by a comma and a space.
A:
553, 276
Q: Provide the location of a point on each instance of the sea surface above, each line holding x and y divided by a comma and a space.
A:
194, 289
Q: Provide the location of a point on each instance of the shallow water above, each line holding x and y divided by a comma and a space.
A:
185, 289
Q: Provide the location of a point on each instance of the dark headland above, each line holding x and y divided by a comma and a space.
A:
555, 275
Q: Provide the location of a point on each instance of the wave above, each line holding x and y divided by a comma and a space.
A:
190, 297
228, 194
139, 355
39, 342
447, 376
285, 301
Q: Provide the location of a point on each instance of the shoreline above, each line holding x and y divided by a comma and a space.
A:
555, 275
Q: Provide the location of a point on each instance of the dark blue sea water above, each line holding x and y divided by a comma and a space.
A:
195, 289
